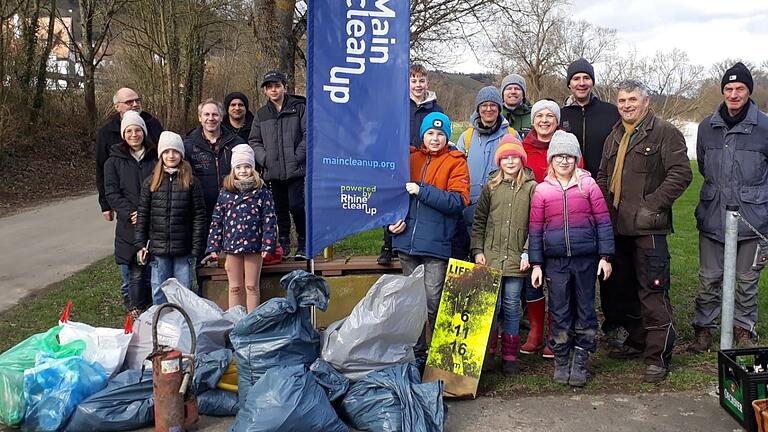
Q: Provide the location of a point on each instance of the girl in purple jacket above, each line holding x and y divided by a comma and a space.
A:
244, 226
570, 242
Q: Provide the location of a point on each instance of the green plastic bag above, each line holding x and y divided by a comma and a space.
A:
21, 357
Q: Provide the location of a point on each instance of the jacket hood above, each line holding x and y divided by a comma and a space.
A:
522, 109
292, 100
449, 148
581, 174
431, 97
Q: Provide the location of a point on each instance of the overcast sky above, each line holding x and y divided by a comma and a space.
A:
708, 30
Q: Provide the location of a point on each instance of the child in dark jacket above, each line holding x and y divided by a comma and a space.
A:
500, 240
571, 241
171, 218
439, 191
244, 226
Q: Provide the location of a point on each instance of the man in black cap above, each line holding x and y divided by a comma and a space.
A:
591, 120
279, 141
238, 117
732, 153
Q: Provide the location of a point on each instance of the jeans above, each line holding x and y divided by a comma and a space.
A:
166, 267
508, 304
124, 287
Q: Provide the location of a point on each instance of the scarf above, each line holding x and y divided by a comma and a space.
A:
170, 171
730, 122
483, 130
248, 184
618, 169
139, 155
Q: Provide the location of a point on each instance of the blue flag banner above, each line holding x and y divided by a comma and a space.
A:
358, 117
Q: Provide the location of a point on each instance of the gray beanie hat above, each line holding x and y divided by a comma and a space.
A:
546, 104
132, 118
169, 141
514, 79
563, 143
488, 94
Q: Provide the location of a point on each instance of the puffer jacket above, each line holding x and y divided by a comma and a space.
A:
591, 124
433, 213
279, 139
656, 172
500, 228
537, 156
734, 164
173, 219
243, 223
571, 221
419, 111
519, 118
209, 166
123, 177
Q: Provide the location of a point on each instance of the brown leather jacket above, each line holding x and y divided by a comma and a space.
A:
656, 172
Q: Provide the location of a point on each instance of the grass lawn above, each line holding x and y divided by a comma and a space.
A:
94, 292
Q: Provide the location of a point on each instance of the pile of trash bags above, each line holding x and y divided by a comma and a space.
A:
271, 368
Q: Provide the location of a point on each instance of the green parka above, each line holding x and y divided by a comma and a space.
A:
500, 227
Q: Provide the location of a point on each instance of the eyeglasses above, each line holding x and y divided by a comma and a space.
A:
131, 101
564, 158
488, 106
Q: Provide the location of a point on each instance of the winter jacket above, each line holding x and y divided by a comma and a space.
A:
536, 150
433, 213
500, 228
279, 139
174, 220
519, 118
123, 177
734, 164
109, 135
418, 112
591, 124
656, 172
243, 223
209, 166
570, 221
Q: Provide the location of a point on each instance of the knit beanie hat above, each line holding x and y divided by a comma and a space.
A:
242, 154
563, 143
580, 66
488, 94
132, 118
510, 146
737, 73
436, 120
513, 79
546, 104
170, 141
235, 95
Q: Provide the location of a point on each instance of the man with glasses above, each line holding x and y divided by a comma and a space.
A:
123, 101
644, 169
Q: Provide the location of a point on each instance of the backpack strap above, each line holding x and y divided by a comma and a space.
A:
468, 138
512, 131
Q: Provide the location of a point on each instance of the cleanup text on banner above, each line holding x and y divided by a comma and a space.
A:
358, 117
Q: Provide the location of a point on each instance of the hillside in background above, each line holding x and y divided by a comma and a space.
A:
456, 92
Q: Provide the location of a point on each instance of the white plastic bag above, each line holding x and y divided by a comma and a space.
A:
106, 346
382, 328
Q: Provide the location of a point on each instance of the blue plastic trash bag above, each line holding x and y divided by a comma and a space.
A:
332, 381
209, 368
54, 388
21, 357
125, 404
287, 399
393, 400
279, 332
218, 403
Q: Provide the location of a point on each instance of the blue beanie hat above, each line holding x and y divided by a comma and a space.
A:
435, 120
488, 94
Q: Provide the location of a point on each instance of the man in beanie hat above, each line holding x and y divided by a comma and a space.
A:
585, 115
479, 142
238, 117
124, 100
279, 141
516, 108
732, 155
644, 169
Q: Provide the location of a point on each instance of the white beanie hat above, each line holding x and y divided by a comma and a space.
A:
545, 104
242, 154
170, 141
132, 118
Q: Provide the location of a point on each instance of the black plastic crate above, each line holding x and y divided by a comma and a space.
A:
739, 386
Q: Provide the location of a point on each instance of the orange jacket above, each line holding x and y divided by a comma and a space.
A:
446, 169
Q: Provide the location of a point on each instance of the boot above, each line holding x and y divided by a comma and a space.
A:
703, 340
579, 373
285, 242
547, 353
385, 257
535, 339
743, 338
562, 369
509, 347
490, 356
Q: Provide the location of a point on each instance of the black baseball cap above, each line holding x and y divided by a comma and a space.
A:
273, 76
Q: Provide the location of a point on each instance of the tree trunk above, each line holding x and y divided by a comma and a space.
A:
42, 70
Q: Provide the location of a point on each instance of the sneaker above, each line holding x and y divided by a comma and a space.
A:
301, 255
626, 352
703, 340
385, 257
655, 374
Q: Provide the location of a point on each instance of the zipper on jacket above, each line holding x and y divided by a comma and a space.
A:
583, 129
565, 218
416, 219
168, 211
